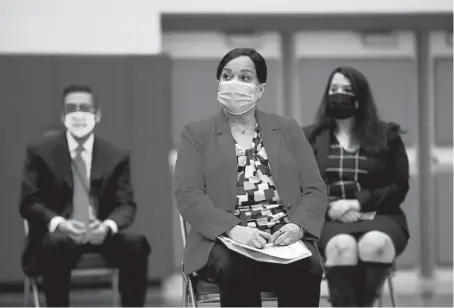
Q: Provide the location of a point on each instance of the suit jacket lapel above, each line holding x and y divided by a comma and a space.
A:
227, 145
322, 145
63, 160
97, 162
271, 142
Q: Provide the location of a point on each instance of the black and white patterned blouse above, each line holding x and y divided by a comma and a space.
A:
343, 171
258, 204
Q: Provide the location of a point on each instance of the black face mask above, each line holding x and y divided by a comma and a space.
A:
341, 106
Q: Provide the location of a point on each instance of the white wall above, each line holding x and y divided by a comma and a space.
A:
305, 6
213, 44
133, 26
80, 27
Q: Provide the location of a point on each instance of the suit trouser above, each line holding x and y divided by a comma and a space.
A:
129, 253
241, 279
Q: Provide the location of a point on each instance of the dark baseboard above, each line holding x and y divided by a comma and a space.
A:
89, 284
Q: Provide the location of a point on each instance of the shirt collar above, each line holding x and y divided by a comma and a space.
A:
73, 144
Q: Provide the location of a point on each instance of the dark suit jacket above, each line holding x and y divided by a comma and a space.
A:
206, 180
385, 186
47, 187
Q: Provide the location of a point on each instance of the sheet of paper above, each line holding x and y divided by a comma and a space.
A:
368, 215
271, 253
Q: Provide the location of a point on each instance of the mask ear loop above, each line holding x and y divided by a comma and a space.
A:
260, 93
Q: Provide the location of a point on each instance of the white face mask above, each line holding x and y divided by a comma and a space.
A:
237, 97
80, 124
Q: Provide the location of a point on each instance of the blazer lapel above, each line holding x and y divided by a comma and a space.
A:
63, 160
271, 141
227, 145
322, 145
98, 158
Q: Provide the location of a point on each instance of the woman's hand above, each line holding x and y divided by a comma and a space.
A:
287, 235
249, 236
350, 216
339, 207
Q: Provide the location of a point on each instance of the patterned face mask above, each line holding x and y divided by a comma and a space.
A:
237, 97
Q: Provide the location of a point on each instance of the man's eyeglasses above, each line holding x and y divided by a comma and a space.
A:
69, 108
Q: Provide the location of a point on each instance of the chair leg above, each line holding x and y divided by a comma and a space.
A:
191, 294
26, 291
115, 289
35, 292
391, 292
184, 297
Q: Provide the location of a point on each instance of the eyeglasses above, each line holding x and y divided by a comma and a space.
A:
70, 107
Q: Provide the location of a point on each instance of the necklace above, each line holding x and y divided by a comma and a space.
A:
240, 129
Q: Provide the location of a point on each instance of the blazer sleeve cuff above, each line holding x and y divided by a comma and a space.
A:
363, 197
112, 225
306, 234
213, 229
54, 222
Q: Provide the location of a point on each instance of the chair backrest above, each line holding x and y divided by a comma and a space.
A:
183, 229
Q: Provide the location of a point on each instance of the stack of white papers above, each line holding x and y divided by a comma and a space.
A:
273, 254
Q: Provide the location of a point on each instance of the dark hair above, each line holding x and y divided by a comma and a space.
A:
368, 130
259, 62
80, 88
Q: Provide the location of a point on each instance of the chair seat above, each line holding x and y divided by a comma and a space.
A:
205, 287
91, 260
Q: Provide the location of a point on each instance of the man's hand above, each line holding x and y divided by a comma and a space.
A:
340, 207
289, 233
350, 216
74, 229
98, 233
249, 236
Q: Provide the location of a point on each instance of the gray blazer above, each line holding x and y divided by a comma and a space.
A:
206, 180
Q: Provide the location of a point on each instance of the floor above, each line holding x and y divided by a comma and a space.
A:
411, 292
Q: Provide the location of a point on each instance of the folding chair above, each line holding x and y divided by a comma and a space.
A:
197, 290
90, 265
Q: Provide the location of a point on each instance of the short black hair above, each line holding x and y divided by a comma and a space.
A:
80, 88
257, 59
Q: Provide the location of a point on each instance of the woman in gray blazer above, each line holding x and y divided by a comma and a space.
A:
251, 176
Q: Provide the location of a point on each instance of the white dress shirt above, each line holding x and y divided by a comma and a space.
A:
87, 154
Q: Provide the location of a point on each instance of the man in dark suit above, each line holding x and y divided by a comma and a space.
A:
77, 197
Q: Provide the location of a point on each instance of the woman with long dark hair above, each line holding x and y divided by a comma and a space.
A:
365, 166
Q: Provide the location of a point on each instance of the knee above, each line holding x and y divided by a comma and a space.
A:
226, 269
376, 246
342, 244
342, 248
58, 245
136, 245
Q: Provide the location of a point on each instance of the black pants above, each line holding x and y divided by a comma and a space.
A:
129, 253
241, 279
